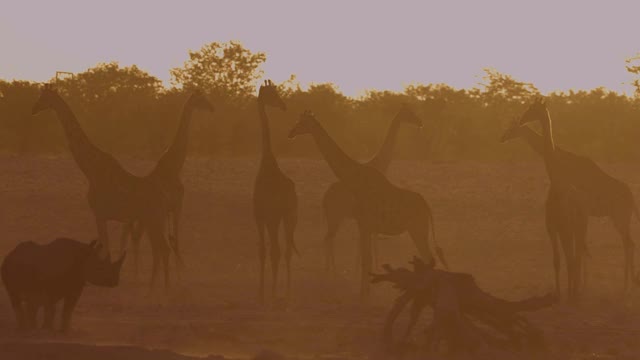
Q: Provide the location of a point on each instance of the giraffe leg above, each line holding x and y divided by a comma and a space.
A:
155, 255
553, 237
262, 252
337, 208
156, 236
169, 230
419, 233
103, 236
136, 237
375, 246
174, 235
365, 254
127, 232
290, 223
622, 224
567, 243
581, 223
274, 251
333, 224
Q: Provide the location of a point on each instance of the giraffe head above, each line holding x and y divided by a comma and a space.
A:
268, 95
199, 101
47, 98
406, 115
307, 124
536, 111
512, 132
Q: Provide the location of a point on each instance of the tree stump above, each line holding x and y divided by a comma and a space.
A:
464, 316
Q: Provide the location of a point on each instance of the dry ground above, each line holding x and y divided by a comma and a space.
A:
489, 221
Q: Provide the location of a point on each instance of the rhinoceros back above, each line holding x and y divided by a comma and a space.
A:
53, 269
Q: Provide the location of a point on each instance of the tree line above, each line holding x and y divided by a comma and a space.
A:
125, 110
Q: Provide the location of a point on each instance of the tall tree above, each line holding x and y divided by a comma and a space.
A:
106, 81
118, 104
633, 66
226, 70
499, 88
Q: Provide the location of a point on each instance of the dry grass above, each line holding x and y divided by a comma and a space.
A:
489, 221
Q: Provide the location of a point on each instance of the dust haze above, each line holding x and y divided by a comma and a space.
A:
221, 214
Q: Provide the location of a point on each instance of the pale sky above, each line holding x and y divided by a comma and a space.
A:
358, 45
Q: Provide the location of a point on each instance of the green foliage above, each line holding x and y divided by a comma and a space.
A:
633, 66
500, 88
225, 70
124, 110
107, 96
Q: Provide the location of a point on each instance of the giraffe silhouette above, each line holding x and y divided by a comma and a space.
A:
275, 200
114, 194
380, 207
607, 196
565, 216
166, 175
338, 202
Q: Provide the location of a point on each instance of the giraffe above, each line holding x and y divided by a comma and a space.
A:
338, 202
114, 194
166, 174
380, 207
274, 197
565, 219
605, 196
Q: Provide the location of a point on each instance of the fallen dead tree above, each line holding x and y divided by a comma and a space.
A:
465, 317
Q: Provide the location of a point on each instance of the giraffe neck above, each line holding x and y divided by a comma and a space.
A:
340, 163
173, 159
548, 145
89, 158
267, 152
382, 159
535, 140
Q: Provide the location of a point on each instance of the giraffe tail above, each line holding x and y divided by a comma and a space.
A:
173, 244
585, 248
292, 244
635, 209
290, 234
439, 251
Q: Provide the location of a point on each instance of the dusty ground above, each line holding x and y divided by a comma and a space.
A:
489, 220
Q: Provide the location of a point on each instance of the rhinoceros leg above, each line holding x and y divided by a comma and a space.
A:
16, 303
32, 313
69, 304
49, 314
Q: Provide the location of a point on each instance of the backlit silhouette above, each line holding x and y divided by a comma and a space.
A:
566, 218
166, 175
602, 195
458, 304
38, 276
605, 196
275, 200
338, 203
114, 193
380, 207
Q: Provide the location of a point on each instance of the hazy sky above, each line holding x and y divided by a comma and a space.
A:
358, 45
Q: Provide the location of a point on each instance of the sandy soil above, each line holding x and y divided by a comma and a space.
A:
489, 220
